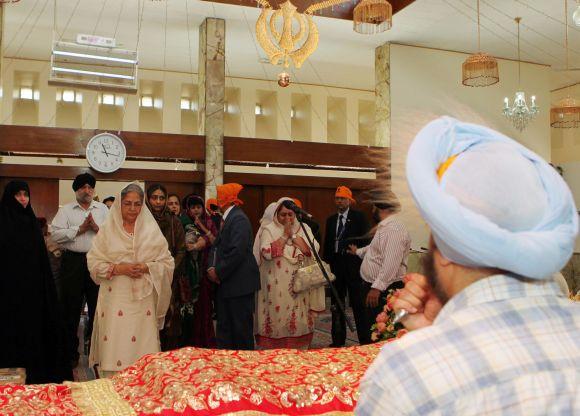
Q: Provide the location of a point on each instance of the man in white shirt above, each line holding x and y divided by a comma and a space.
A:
384, 260
74, 227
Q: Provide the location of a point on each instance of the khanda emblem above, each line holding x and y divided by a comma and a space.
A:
286, 45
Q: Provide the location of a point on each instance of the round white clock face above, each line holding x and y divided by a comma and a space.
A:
106, 152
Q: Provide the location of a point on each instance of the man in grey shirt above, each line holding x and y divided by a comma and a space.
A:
74, 227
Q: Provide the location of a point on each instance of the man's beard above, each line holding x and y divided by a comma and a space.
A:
85, 198
428, 266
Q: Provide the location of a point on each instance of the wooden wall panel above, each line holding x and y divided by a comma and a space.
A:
43, 195
69, 172
280, 151
61, 141
301, 181
181, 189
253, 197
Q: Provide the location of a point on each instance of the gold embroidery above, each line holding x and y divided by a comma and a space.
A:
31, 400
209, 379
98, 397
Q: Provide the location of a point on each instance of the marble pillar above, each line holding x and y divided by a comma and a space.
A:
383, 95
1, 51
211, 90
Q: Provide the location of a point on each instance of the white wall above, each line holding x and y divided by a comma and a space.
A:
426, 84
572, 177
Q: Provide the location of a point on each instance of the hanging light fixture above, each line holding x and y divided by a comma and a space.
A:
520, 114
566, 113
372, 16
576, 15
479, 69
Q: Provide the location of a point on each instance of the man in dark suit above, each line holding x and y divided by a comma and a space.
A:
344, 228
234, 269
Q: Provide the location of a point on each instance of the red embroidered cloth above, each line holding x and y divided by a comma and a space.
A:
193, 381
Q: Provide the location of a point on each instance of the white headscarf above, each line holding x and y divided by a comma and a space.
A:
489, 201
148, 245
267, 218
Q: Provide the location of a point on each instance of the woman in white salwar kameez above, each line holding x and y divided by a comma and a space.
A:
284, 319
130, 261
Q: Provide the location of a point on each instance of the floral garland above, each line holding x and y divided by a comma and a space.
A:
384, 329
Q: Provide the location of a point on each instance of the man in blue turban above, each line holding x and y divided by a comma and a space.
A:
491, 331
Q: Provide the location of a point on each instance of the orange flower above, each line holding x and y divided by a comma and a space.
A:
381, 326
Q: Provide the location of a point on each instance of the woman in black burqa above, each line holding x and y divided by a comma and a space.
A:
30, 326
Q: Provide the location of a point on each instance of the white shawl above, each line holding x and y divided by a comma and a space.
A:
112, 245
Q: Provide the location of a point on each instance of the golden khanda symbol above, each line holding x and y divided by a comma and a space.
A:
284, 46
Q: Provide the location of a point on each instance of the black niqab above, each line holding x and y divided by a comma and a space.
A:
30, 331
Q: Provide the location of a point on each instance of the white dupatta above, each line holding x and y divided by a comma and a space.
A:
113, 245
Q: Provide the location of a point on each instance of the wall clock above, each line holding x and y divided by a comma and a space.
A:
106, 152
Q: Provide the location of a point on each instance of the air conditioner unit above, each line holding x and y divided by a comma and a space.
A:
94, 40
93, 67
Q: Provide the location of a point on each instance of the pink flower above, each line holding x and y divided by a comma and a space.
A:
381, 326
382, 317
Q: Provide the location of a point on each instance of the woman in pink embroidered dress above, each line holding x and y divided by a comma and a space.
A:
285, 319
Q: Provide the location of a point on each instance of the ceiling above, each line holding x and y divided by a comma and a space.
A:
343, 58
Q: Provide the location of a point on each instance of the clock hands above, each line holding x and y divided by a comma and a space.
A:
108, 154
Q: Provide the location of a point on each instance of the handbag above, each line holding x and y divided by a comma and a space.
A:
309, 277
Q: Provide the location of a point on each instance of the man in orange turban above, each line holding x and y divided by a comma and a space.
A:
234, 269
342, 229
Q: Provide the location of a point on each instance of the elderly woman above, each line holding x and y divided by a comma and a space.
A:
132, 264
285, 319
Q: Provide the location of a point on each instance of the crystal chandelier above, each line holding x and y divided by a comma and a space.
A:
480, 69
576, 15
520, 114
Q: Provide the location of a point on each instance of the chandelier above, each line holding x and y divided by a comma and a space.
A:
283, 44
566, 113
480, 69
372, 16
520, 114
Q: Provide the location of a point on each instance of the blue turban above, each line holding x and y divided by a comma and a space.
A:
489, 201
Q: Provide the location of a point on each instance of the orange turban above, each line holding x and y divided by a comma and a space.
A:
344, 192
210, 202
297, 202
228, 193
